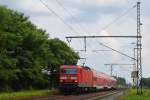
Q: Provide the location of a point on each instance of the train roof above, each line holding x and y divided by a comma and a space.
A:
86, 67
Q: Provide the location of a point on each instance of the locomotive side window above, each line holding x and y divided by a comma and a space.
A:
69, 71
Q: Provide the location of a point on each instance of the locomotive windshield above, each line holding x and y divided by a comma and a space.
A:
69, 71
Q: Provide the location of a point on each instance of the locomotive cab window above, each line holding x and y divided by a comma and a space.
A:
69, 71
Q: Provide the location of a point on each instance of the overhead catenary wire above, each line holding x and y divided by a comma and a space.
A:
61, 19
117, 18
72, 18
117, 51
70, 27
69, 13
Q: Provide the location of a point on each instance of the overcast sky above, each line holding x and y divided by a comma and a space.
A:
90, 17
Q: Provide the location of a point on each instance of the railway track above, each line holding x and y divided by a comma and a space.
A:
89, 96
100, 96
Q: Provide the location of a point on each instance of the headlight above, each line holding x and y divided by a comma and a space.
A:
63, 78
74, 78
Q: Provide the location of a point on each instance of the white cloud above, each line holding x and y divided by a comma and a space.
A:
30, 6
99, 2
105, 2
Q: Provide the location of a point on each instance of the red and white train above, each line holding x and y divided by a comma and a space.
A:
75, 77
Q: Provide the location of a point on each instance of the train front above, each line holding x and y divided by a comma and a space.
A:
68, 77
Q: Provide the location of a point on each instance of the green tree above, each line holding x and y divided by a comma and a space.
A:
121, 81
25, 50
146, 82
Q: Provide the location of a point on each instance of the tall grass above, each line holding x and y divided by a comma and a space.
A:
131, 95
27, 94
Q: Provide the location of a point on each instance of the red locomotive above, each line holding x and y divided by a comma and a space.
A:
75, 77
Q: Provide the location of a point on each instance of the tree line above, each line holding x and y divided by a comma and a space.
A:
120, 81
146, 82
26, 50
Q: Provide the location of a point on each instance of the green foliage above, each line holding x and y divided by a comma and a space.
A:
25, 50
62, 52
146, 82
131, 95
121, 81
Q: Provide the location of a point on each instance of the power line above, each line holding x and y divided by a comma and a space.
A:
112, 64
102, 36
119, 64
117, 18
117, 51
52, 11
72, 17
85, 37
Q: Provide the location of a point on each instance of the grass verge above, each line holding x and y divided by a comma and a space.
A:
131, 95
27, 94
